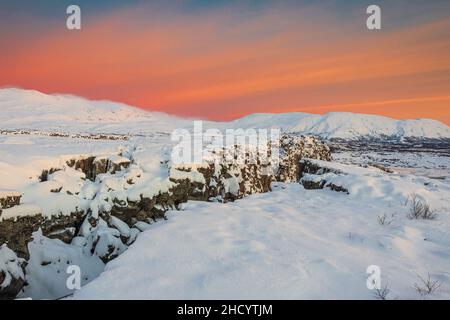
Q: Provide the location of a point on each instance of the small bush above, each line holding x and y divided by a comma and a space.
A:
419, 208
427, 286
385, 220
382, 293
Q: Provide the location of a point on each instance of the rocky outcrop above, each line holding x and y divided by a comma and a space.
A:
92, 166
220, 182
9, 199
46, 172
226, 179
311, 167
112, 164
17, 232
314, 176
294, 149
114, 222
85, 165
381, 167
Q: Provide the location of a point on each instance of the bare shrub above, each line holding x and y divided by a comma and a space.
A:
382, 293
385, 220
427, 286
419, 208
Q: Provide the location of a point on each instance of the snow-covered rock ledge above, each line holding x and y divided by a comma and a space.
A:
12, 277
98, 204
9, 199
372, 182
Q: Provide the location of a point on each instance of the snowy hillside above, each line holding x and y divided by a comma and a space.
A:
27, 109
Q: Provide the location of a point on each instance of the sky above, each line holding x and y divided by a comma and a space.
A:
221, 60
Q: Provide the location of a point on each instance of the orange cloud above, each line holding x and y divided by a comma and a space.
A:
222, 64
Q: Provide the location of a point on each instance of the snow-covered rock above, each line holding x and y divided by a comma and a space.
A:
374, 183
50, 266
9, 199
12, 277
293, 150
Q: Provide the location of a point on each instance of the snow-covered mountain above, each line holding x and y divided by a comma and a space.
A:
346, 125
27, 109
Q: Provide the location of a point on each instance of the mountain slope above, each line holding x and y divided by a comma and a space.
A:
27, 109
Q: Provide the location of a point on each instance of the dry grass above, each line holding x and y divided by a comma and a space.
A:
382, 293
385, 220
427, 286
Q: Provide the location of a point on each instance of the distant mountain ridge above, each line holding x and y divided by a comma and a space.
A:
31, 109
346, 125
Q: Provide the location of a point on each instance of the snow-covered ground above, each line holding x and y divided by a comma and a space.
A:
289, 243
418, 163
23, 157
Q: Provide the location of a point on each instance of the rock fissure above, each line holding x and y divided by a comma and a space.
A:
118, 216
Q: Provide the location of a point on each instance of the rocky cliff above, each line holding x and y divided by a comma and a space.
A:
116, 200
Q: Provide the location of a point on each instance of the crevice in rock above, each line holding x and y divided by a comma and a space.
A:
108, 233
